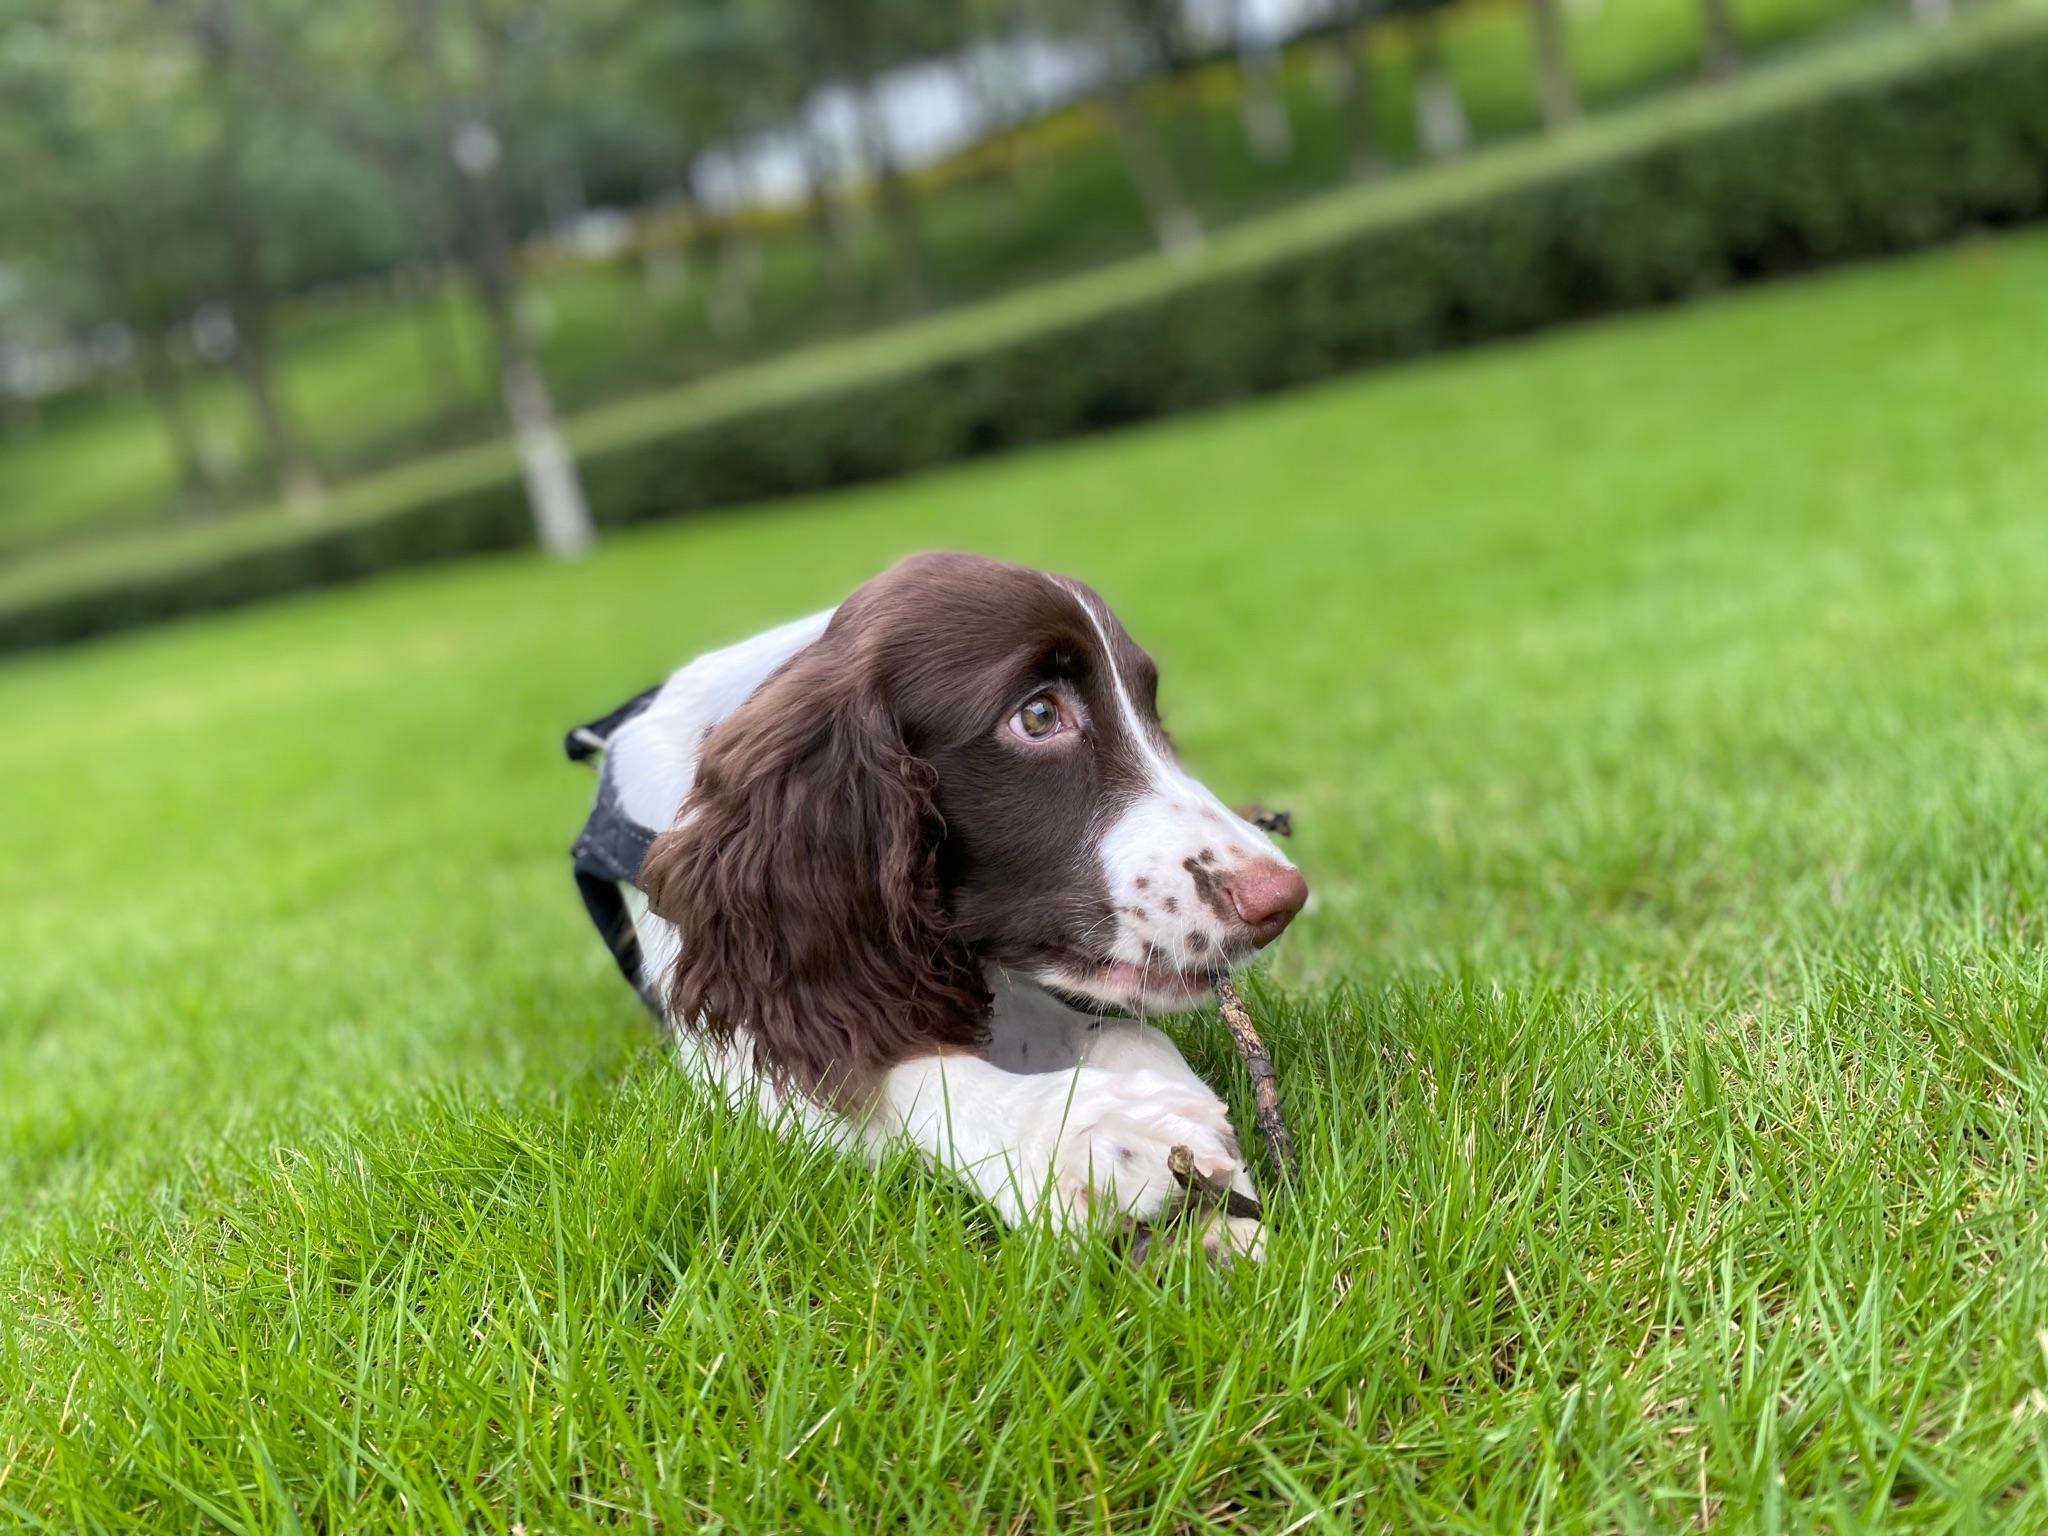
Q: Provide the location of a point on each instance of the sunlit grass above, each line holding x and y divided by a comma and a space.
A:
1665, 712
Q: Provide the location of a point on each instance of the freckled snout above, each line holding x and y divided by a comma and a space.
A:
1265, 897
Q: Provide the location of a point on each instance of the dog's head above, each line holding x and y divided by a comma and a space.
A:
967, 768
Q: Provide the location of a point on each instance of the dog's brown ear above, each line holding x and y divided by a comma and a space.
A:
801, 878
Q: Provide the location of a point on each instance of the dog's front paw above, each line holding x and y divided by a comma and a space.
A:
1119, 1139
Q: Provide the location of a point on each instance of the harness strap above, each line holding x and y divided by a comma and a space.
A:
608, 852
586, 741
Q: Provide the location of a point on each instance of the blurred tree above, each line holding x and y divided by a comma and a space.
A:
993, 71
1351, 48
98, 150
856, 44
484, 41
180, 186
30, 332
1442, 127
798, 62
1262, 105
835, 230
1113, 28
1932, 13
1556, 91
1723, 53
700, 75
1175, 225
245, 205
420, 291
417, 89
1163, 24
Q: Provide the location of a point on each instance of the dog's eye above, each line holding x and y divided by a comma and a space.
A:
1038, 719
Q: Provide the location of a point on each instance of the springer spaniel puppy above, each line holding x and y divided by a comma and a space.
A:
918, 867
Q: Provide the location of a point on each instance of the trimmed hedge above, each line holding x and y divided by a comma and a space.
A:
1953, 141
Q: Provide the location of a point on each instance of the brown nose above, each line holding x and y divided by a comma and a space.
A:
1266, 897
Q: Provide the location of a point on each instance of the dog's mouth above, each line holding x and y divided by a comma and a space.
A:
1156, 981
1157, 986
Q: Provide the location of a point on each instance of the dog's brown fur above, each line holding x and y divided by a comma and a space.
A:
859, 841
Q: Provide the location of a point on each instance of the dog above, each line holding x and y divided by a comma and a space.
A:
918, 867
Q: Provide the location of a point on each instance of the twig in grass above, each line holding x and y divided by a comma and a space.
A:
1200, 1198
1265, 1085
1200, 1192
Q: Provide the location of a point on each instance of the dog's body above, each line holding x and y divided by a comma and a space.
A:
908, 847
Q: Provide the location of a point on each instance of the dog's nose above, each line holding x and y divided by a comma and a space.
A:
1266, 896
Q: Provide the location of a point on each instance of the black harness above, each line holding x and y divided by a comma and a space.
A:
608, 852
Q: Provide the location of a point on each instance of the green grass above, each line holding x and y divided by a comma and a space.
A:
365, 396
1662, 707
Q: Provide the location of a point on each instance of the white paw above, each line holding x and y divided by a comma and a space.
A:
1116, 1137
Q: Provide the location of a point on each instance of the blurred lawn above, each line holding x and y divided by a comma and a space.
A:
356, 368
1665, 711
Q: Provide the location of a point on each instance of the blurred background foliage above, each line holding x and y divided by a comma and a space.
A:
255, 253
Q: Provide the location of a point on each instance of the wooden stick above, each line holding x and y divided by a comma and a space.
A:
1201, 1197
1265, 1086
1199, 1192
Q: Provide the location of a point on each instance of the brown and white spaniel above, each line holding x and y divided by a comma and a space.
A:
924, 863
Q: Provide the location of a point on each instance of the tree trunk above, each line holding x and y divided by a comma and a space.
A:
1355, 95
1175, 225
166, 393
1441, 126
1723, 59
156, 367
831, 228
1176, 79
560, 516
1556, 90
1261, 105
292, 475
1933, 13
897, 205
729, 305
